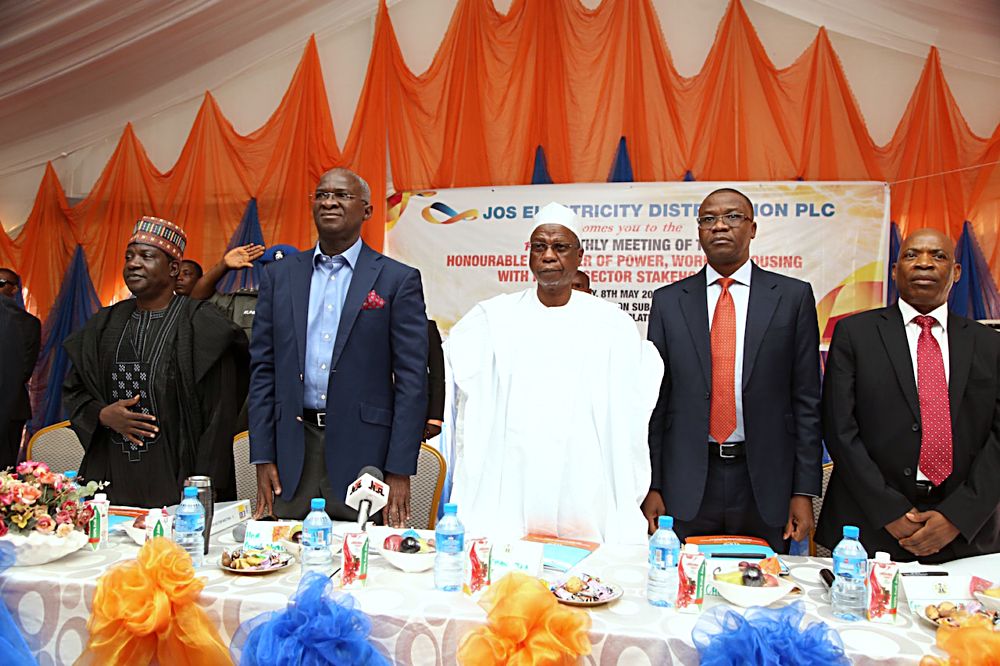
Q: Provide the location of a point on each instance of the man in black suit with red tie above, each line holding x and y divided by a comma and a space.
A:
911, 416
734, 439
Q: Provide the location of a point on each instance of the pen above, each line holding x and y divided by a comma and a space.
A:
744, 556
924, 573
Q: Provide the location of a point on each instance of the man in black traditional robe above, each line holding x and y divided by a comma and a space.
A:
156, 382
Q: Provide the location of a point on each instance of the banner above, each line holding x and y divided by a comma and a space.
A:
471, 244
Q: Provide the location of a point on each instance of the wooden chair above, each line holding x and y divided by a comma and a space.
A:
426, 488
815, 549
57, 446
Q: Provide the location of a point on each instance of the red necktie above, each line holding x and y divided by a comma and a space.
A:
935, 412
722, 410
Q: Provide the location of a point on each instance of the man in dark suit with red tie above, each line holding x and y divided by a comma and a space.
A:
911, 416
734, 439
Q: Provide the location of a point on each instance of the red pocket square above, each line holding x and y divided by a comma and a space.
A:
373, 301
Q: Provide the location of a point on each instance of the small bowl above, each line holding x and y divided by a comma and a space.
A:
745, 597
408, 562
988, 602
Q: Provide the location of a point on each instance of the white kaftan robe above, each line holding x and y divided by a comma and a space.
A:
553, 409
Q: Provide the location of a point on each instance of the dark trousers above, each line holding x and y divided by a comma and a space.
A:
10, 444
314, 483
728, 506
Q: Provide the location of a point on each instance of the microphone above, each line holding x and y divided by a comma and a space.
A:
368, 494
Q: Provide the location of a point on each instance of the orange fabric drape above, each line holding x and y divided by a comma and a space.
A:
547, 73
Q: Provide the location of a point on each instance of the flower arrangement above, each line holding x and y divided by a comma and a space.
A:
34, 498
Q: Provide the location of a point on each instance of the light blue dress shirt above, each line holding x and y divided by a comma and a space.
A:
331, 278
740, 291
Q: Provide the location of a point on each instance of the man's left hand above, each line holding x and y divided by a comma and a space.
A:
936, 533
397, 511
243, 256
800, 518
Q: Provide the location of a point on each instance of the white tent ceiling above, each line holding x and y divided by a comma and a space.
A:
73, 73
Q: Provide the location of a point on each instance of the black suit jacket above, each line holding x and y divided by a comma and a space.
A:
11, 364
435, 373
871, 423
780, 393
31, 335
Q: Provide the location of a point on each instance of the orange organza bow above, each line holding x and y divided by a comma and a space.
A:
966, 646
526, 626
147, 608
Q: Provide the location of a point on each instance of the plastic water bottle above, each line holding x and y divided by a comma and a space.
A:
850, 570
664, 551
189, 526
450, 543
70, 479
316, 531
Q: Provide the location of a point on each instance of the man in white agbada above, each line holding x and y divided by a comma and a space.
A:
553, 391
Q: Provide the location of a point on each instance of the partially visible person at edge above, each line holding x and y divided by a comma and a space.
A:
27, 345
339, 365
156, 381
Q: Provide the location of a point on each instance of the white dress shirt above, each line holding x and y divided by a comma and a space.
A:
940, 332
740, 291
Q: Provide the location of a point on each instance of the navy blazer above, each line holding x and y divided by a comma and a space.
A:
377, 393
781, 416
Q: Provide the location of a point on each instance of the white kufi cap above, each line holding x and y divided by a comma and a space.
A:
555, 213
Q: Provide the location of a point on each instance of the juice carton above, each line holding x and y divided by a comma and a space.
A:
354, 564
476, 572
690, 580
97, 530
883, 588
159, 523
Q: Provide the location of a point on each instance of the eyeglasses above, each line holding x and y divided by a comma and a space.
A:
731, 220
538, 247
340, 195
4, 282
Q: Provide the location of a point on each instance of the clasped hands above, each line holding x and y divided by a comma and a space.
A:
922, 533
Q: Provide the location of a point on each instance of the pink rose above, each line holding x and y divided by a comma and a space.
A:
27, 467
84, 516
7, 498
64, 530
27, 494
63, 518
41, 468
45, 477
3, 527
70, 506
45, 524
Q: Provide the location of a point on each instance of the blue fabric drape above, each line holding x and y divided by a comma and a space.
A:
621, 169
975, 294
247, 232
892, 293
540, 172
76, 303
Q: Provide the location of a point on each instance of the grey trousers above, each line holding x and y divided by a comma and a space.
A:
314, 483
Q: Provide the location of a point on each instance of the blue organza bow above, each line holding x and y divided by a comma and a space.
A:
766, 637
12, 644
314, 630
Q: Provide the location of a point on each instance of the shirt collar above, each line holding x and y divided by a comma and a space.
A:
939, 313
350, 254
741, 275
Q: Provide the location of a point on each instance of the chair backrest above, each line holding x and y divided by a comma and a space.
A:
246, 474
425, 488
57, 446
814, 548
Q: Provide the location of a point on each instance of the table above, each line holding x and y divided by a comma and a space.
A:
415, 624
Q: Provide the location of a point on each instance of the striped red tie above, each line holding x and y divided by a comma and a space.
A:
935, 412
722, 409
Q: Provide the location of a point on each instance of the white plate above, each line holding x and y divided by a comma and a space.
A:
988, 602
260, 572
615, 592
408, 562
745, 597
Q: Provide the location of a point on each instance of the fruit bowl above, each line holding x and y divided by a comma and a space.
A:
408, 562
743, 596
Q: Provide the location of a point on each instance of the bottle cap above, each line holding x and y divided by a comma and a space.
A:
450, 509
666, 522
851, 532
70, 474
881, 556
100, 497
190, 491
318, 504
690, 548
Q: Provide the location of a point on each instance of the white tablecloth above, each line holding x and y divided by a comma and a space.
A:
415, 624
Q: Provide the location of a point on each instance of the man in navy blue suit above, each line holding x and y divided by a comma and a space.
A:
338, 365
734, 439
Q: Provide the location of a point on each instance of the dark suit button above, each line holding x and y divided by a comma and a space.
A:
302, 378
915, 427
907, 471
